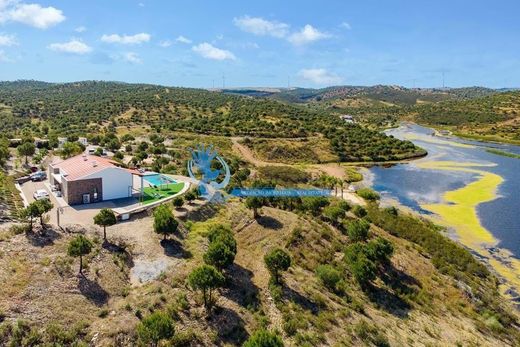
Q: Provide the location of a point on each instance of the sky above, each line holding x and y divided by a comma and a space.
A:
263, 43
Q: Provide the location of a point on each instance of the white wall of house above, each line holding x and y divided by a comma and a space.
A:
115, 182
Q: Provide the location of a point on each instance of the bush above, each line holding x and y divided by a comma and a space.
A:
379, 250
368, 194
276, 261
361, 267
358, 230
359, 211
264, 338
329, 276
154, 328
178, 201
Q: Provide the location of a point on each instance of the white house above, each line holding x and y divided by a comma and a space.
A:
84, 179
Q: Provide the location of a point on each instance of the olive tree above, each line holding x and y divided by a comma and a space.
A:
26, 149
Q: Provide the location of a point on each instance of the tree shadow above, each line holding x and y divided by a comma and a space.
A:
387, 301
44, 238
115, 248
229, 325
173, 248
269, 222
202, 213
240, 288
401, 284
302, 301
92, 291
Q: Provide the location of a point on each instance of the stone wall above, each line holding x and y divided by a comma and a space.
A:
73, 190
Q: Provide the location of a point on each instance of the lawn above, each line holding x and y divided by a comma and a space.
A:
152, 194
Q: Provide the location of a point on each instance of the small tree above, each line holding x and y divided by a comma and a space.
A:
359, 211
276, 261
219, 254
25, 150
42, 207
224, 234
254, 203
78, 247
379, 250
105, 218
178, 201
154, 328
363, 269
358, 230
30, 212
329, 276
333, 213
206, 278
264, 338
164, 222
190, 196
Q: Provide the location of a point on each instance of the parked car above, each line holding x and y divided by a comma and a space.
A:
40, 194
38, 176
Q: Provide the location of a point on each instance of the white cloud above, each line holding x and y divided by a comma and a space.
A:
126, 39
261, 27
345, 25
319, 76
132, 57
73, 47
140, 4
80, 29
31, 14
8, 40
165, 43
182, 39
308, 34
209, 51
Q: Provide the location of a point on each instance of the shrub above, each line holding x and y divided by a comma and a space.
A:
329, 276
358, 230
379, 250
276, 261
368, 194
359, 211
154, 328
178, 201
361, 267
264, 338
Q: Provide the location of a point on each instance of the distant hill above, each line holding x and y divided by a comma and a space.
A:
93, 107
395, 95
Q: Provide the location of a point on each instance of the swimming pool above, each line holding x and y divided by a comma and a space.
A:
158, 179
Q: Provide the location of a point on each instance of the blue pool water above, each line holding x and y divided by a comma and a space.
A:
158, 179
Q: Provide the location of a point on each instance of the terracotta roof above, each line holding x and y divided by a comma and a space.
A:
82, 165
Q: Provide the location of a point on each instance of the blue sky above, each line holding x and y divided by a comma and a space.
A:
263, 43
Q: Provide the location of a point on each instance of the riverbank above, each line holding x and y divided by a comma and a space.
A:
455, 191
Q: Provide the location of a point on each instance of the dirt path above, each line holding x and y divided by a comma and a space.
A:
335, 170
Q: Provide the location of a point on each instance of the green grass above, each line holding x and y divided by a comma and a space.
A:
152, 194
503, 153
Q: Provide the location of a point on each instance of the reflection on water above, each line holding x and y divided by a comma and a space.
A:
414, 186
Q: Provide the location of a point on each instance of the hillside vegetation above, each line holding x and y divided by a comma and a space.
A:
82, 108
406, 293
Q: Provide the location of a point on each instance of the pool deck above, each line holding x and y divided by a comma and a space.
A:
126, 211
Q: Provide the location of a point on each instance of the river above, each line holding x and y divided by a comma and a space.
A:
459, 184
